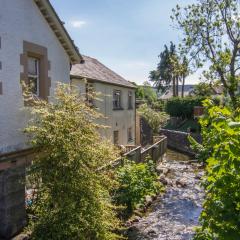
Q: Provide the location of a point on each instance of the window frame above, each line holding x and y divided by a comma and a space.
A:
36, 76
41, 53
130, 100
90, 94
117, 92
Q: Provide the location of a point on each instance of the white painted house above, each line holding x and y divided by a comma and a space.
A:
34, 46
117, 99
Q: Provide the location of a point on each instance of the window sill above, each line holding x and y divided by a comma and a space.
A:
130, 108
117, 109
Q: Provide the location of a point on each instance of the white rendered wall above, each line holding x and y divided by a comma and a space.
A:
116, 120
20, 20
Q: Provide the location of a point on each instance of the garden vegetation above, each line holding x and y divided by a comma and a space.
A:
72, 200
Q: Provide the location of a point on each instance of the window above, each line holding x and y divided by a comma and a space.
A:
129, 134
116, 138
33, 75
90, 94
130, 100
117, 99
35, 69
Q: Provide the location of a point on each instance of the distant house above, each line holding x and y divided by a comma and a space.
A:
117, 102
168, 93
35, 49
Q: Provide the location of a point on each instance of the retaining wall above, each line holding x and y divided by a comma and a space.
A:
12, 192
179, 140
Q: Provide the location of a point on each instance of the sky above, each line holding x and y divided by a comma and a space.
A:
125, 35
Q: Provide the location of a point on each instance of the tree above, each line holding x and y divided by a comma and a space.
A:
171, 70
184, 72
220, 150
72, 196
211, 31
146, 92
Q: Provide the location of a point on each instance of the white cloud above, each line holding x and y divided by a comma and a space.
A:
77, 23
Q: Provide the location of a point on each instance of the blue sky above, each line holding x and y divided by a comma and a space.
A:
125, 35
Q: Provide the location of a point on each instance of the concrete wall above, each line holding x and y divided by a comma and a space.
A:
179, 140
115, 120
21, 21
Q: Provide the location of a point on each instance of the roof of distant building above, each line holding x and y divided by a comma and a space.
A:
92, 69
188, 89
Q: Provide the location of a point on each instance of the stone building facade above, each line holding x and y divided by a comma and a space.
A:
115, 99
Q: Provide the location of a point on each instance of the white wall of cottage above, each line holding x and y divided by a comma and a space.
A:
115, 120
21, 20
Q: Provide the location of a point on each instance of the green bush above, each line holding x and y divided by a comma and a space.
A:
155, 119
220, 218
136, 181
73, 200
183, 107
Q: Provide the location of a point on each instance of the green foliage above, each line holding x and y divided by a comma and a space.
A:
147, 93
158, 105
73, 200
183, 107
154, 118
136, 181
204, 89
221, 210
211, 34
185, 126
202, 153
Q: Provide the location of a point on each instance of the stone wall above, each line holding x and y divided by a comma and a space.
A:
179, 140
12, 192
12, 201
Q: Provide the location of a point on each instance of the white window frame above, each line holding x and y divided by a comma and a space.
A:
36, 76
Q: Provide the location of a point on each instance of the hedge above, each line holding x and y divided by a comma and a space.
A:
183, 107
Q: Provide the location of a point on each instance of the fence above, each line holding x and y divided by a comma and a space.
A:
155, 152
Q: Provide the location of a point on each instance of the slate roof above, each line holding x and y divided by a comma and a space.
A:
94, 70
188, 89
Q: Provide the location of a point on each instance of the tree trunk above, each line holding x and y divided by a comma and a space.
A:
233, 99
174, 86
183, 86
177, 84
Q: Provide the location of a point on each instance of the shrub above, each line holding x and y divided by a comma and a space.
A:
73, 199
182, 107
136, 181
154, 118
221, 210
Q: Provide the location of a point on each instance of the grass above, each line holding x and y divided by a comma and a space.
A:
190, 123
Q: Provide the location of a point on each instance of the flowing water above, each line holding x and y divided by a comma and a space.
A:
174, 215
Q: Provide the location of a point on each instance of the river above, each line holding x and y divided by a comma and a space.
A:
174, 215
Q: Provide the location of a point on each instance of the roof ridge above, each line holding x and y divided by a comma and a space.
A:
94, 69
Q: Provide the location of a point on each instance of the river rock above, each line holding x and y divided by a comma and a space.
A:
163, 180
181, 182
174, 215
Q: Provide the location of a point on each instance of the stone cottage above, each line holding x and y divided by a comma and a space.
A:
116, 100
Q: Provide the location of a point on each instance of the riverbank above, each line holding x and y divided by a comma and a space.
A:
174, 215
